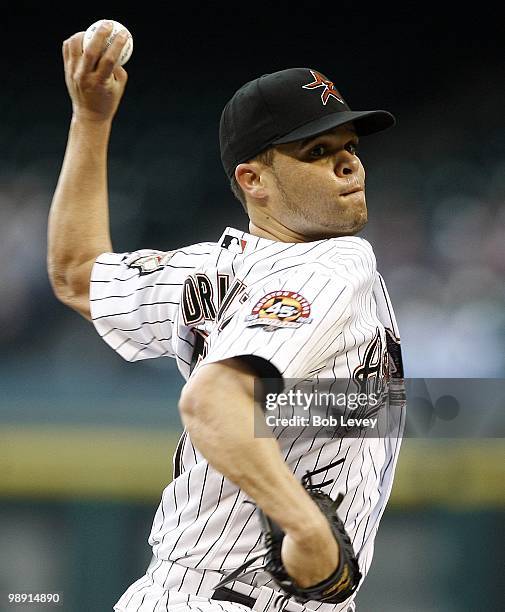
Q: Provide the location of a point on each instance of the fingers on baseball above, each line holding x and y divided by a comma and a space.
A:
109, 61
91, 55
64, 51
120, 74
72, 49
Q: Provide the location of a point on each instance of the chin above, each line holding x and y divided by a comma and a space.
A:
334, 232
358, 226
344, 225
353, 226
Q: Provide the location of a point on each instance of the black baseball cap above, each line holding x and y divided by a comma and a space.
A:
285, 106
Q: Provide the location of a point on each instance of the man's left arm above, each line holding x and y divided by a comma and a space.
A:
219, 411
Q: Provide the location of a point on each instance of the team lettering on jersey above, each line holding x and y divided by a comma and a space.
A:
374, 369
199, 302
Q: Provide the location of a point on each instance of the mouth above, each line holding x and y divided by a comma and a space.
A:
355, 189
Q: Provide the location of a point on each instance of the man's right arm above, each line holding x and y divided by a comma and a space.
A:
78, 229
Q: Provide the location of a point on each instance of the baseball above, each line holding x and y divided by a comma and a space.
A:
128, 46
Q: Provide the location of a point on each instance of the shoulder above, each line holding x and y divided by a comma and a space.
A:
349, 251
334, 257
338, 269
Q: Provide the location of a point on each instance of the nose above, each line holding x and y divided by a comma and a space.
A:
346, 164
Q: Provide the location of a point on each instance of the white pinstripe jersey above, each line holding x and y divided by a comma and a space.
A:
323, 305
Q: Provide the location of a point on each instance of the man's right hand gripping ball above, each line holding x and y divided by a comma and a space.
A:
95, 80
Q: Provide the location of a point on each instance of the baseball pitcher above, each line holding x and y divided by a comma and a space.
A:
262, 522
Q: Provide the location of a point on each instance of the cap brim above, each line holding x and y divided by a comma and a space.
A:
365, 123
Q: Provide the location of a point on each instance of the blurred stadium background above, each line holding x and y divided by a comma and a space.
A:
86, 439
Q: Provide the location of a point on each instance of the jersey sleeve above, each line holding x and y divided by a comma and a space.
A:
134, 298
294, 323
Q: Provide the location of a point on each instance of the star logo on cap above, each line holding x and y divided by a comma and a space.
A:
329, 88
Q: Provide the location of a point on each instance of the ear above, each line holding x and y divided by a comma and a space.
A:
250, 177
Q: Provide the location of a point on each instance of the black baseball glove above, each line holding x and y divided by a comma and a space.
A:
342, 583
339, 586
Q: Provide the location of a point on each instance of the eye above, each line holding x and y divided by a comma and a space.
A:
318, 151
352, 147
